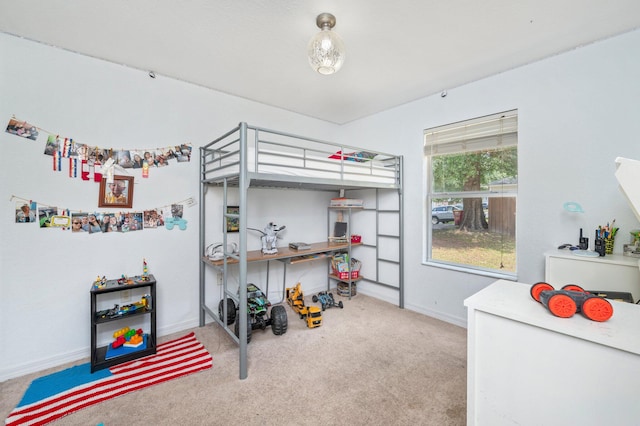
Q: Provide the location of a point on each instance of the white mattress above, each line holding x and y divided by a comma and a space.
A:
380, 169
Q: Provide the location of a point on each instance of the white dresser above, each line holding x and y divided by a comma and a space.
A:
528, 367
613, 272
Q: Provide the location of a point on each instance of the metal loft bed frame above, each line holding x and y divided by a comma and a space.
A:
249, 156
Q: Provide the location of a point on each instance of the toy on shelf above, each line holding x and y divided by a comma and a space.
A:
145, 271
146, 301
133, 307
135, 341
100, 282
311, 314
118, 342
124, 280
571, 299
269, 238
121, 332
117, 311
108, 313
128, 338
120, 336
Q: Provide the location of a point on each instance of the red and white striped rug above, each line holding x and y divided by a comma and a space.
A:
60, 394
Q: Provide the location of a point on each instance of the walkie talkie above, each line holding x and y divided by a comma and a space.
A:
598, 245
583, 243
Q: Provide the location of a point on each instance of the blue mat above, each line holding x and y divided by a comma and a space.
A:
56, 383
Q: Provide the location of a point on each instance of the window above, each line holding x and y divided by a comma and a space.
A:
472, 181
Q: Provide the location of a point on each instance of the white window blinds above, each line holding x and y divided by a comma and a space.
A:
489, 132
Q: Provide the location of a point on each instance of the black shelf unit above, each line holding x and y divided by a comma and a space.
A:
98, 354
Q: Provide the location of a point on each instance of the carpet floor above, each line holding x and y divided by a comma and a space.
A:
369, 363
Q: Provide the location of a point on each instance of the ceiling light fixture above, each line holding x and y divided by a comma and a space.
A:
326, 49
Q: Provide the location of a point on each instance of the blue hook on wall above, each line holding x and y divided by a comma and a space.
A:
573, 207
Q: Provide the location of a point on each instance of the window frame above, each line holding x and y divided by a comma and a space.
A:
453, 144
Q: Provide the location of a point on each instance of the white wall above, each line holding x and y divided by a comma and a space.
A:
46, 274
577, 112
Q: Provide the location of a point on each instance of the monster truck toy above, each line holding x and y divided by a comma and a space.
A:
258, 316
571, 299
326, 300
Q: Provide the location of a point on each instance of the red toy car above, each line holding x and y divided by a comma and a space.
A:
571, 299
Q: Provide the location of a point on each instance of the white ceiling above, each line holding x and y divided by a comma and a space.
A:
397, 51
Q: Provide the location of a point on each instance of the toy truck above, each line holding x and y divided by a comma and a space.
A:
312, 314
258, 315
326, 300
571, 299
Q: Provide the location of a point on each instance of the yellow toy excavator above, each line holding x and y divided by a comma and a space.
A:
312, 314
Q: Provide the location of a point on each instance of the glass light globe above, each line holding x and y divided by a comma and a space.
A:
326, 52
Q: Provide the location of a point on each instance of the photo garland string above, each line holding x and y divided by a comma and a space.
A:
87, 161
47, 216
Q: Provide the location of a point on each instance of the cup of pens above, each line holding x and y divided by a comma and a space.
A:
608, 234
608, 245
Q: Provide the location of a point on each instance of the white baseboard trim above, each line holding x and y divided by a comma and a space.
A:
370, 291
43, 364
460, 322
81, 354
175, 328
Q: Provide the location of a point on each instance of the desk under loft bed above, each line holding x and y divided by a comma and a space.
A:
249, 156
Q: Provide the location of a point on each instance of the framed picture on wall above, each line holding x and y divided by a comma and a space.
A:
116, 194
233, 224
